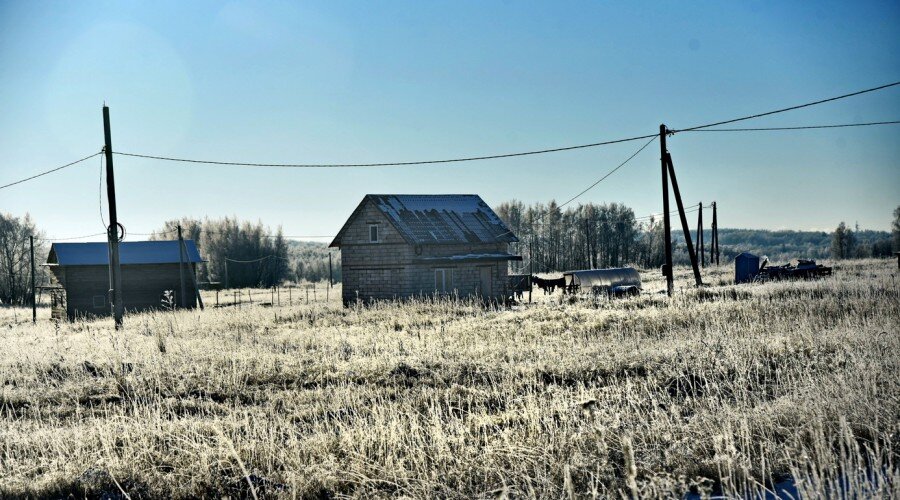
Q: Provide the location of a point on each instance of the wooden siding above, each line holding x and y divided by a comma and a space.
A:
86, 287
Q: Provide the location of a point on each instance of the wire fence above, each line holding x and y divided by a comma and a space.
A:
276, 296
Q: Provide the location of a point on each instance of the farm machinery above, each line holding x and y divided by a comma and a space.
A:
805, 269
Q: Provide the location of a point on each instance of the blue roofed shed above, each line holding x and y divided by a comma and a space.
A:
80, 276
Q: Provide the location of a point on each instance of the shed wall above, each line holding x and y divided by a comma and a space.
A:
86, 287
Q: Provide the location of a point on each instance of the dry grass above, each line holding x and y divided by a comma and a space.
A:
723, 390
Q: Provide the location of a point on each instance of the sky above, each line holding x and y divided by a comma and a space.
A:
360, 82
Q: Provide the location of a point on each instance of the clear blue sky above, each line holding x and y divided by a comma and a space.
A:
390, 81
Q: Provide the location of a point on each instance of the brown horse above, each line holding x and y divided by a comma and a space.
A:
549, 285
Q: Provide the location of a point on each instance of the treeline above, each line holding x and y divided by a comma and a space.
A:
239, 254
582, 237
245, 254
309, 261
15, 259
609, 235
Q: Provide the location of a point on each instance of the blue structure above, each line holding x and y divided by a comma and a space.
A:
79, 276
746, 267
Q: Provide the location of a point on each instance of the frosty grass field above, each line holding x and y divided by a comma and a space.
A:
725, 390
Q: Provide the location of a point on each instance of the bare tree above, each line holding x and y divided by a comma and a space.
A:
15, 258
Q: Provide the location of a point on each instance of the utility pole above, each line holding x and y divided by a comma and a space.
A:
33, 299
330, 275
684, 222
531, 267
226, 273
667, 228
700, 242
715, 237
183, 301
112, 232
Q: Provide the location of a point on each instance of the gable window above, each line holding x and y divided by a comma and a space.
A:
373, 233
442, 280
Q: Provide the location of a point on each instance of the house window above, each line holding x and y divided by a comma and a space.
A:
442, 280
373, 233
99, 301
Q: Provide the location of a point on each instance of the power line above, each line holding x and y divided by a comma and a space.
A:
782, 110
804, 127
609, 173
50, 171
387, 164
72, 237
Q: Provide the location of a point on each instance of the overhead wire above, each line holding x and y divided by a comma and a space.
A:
782, 110
385, 164
601, 179
801, 127
49, 171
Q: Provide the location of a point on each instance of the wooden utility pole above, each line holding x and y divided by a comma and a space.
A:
112, 232
183, 301
531, 267
226, 273
33, 295
667, 228
714, 251
700, 243
330, 275
191, 272
684, 222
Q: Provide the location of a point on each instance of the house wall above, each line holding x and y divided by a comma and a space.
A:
142, 287
389, 269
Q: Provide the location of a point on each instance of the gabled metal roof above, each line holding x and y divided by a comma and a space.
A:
437, 218
130, 252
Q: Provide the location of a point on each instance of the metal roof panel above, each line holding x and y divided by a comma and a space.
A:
130, 252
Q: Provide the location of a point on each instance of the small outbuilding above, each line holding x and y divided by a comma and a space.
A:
398, 246
79, 276
746, 267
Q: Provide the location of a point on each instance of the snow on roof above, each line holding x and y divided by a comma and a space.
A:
445, 218
130, 252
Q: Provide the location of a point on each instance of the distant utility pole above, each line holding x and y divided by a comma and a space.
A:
714, 251
667, 228
700, 241
112, 232
33, 299
330, 275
